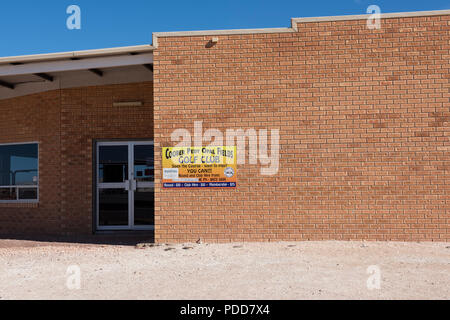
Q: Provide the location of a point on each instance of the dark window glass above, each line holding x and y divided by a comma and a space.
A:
19, 172
144, 205
144, 174
113, 164
27, 193
144, 163
113, 207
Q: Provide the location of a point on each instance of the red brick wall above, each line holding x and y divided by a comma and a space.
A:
34, 118
86, 114
66, 123
364, 120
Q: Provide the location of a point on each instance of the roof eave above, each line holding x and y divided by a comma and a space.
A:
78, 54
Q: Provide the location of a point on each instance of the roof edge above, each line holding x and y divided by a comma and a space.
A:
293, 27
156, 35
365, 16
77, 54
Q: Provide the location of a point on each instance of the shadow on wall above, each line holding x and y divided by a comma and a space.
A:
116, 238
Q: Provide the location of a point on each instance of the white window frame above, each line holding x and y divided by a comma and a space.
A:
23, 187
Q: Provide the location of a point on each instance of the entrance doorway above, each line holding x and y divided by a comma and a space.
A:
125, 186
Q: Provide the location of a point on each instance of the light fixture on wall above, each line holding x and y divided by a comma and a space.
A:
128, 104
211, 43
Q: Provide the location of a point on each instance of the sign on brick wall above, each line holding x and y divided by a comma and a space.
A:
199, 167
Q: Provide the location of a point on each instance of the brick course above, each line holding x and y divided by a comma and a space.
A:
363, 116
364, 120
66, 124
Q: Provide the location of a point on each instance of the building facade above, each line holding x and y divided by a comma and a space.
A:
362, 116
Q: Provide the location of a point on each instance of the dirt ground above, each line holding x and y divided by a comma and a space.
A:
297, 270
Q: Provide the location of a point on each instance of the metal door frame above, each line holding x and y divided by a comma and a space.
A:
131, 182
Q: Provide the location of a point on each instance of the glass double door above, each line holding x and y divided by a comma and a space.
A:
125, 186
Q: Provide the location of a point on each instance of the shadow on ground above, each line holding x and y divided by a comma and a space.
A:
117, 238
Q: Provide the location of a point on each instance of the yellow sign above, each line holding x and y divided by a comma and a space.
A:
199, 167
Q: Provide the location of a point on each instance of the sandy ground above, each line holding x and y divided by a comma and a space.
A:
306, 270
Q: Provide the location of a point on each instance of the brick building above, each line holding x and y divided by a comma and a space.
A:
363, 117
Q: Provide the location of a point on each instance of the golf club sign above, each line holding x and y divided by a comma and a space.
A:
199, 167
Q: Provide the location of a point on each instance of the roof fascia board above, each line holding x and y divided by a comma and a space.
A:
77, 54
73, 65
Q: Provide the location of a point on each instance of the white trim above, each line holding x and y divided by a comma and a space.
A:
30, 186
111, 185
17, 143
75, 79
294, 27
74, 65
365, 16
156, 35
18, 201
220, 32
17, 194
126, 228
78, 54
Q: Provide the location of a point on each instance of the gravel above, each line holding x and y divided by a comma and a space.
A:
294, 270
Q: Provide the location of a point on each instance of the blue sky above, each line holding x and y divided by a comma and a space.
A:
31, 26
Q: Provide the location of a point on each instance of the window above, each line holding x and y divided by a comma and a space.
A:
19, 173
